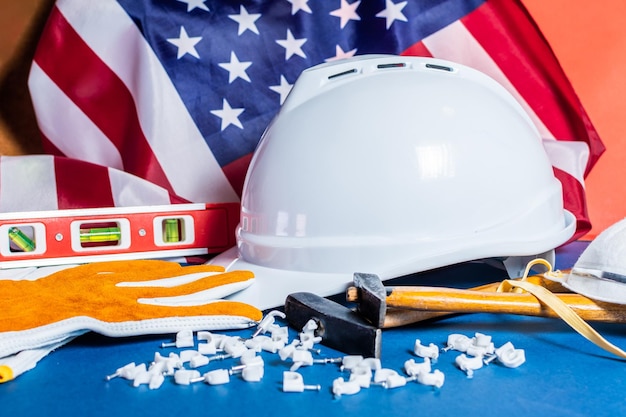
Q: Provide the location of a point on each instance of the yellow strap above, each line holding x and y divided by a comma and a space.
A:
560, 308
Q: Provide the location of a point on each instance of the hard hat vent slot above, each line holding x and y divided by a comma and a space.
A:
439, 67
341, 74
393, 65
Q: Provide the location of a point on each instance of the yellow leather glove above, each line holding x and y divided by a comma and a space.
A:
121, 298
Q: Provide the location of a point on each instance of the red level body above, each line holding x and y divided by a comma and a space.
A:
57, 237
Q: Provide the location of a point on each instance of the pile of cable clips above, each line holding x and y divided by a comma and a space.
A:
184, 367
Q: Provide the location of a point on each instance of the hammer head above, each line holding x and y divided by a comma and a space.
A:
371, 298
339, 327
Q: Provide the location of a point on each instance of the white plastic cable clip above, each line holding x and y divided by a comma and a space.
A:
267, 321
248, 361
372, 363
221, 340
435, 378
235, 348
301, 358
413, 369
152, 377
273, 346
481, 339
293, 382
469, 364
166, 364
127, 371
382, 374
389, 378
156, 381
349, 362
481, 345
309, 327
253, 374
508, 356
265, 343
141, 378
308, 340
342, 387
204, 335
280, 334
217, 377
362, 375
186, 376
256, 342
186, 355
159, 368
287, 351
199, 360
431, 351
209, 346
184, 339
458, 342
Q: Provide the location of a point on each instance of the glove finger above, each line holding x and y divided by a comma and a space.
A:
199, 298
200, 282
175, 278
134, 270
212, 308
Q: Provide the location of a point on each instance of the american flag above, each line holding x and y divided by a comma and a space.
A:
172, 96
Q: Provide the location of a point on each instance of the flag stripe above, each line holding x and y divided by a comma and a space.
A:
546, 89
129, 191
78, 193
27, 183
81, 139
569, 157
100, 94
418, 49
172, 134
574, 199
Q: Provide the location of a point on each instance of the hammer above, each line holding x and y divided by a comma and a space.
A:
375, 301
340, 327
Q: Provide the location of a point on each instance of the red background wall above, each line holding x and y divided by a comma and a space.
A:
589, 38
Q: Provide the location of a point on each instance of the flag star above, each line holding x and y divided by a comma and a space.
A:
347, 12
283, 89
292, 46
228, 115
192, 4
297, 5
341, 54
393, 12
236, 69
245, 20
185, 44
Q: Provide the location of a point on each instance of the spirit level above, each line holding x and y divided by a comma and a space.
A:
56, 237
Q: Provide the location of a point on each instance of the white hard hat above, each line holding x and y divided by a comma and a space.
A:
392, 165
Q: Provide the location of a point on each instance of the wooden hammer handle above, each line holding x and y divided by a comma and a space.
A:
440, 299
396, 317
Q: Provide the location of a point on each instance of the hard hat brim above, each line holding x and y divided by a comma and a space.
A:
272, 286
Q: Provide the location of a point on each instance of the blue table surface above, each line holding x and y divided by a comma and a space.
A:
564, 374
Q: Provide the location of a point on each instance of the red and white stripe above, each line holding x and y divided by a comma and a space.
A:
46, 182
124, 122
